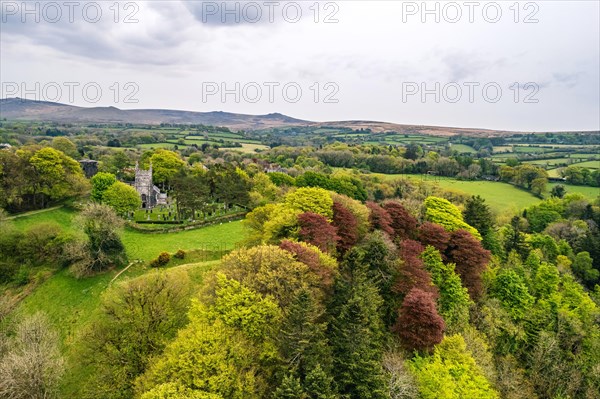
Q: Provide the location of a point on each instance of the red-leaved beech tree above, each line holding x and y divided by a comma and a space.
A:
403, 223
412, 272
419, 325
470, 258
379, 218
316, 230
320, 264
434, 235
347, 227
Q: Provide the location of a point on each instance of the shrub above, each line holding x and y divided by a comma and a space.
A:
180, 254
162, 260
103, 247
22, 276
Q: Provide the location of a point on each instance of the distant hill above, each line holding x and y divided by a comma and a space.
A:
30, 110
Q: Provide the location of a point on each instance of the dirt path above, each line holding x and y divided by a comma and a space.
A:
124, 270
34, 212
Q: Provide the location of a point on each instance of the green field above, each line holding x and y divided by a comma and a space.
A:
501, 197
251, 148
554, 172
62, 216
147, 246
589, 192
586, 155
150, 146
463, 148
589, 164
552, 162
529, 149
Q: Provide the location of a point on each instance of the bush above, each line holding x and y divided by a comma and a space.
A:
180, 254
102, 248
162, 260
22, 276
7, 272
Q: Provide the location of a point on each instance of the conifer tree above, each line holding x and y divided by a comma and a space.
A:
356, 334
319, 384
454, 301
478, 214
302, 340
290, 388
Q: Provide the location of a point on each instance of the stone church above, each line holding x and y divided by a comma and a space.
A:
149, 193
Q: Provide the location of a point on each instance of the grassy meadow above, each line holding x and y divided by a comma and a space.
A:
146, 246
501, 197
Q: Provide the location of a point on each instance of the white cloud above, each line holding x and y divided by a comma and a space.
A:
370, 53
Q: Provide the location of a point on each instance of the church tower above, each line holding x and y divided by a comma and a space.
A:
144, 186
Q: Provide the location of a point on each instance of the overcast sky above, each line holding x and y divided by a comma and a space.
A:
368, 60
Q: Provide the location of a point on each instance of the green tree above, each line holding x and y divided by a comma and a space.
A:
478, 214
136, 320
546, 280
103, 247
558, 191
311, 199
101, 181
122, 198
302, 340
545, 213
356, 334
538, 186
530, 177
192, 192
263, 190
545, 243
454, 300
514, 238
318, 384
230, 185
227, 348
289, 388
512, 292
451, 373
116, 163
444, 213
66, 146
177, 391
165, 165
56, 175
583, 268
273, 271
